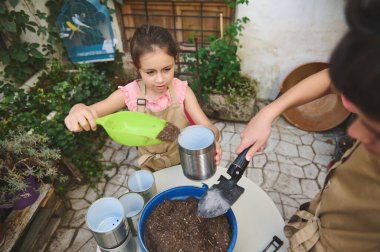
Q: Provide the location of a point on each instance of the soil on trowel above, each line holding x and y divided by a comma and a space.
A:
169, 133
174, 226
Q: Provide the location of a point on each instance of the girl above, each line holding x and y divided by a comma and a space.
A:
153, 52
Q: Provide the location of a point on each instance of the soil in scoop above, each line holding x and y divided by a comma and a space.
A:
169, 133
174, 226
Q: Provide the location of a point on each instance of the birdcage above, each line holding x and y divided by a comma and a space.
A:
86, 31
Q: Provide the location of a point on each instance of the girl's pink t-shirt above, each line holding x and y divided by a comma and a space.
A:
132, 92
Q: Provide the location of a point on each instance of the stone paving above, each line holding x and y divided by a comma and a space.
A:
291, 170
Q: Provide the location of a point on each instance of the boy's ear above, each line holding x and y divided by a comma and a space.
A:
348, 104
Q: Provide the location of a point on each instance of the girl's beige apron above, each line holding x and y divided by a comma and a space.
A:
345, 215
160, 156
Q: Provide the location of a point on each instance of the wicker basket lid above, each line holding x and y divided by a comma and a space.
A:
322, 114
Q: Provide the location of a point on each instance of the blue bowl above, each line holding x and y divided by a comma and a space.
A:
180, 193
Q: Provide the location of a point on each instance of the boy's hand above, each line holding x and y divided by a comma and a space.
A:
256, 134
81, 117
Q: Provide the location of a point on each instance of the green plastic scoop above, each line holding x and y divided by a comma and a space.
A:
134, 128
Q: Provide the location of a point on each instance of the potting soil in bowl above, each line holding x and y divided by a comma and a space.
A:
169, 222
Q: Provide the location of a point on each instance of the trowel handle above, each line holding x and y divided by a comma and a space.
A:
238, 166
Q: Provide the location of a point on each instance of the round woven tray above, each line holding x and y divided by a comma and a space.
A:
322, 114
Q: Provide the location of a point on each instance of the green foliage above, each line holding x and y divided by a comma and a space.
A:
22, 59
43, 108
234, 3
219, 65
22, 155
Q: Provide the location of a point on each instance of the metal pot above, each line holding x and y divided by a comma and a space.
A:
106, 220
197, 151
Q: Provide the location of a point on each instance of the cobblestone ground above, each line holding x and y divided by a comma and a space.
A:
291, 169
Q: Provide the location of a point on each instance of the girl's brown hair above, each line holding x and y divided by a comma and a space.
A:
147, 37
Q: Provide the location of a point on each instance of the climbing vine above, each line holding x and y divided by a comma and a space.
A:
20, 58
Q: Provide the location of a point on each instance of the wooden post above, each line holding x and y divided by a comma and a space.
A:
221, 24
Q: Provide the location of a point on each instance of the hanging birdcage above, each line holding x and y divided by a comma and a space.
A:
86, 31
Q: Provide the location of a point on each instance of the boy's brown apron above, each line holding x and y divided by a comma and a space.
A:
160, 156
345, 215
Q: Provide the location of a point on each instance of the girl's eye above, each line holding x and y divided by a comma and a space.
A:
149, 72
167, 69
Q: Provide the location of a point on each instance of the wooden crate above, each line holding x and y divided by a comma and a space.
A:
31, 228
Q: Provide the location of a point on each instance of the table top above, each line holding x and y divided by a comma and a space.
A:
258, 218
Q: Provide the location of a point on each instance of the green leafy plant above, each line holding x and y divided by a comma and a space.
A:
22, 155
20, 58
219, 65
43, 108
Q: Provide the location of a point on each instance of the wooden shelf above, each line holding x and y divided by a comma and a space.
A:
30, 229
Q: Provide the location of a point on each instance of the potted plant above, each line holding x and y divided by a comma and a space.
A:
230, 95
25, 162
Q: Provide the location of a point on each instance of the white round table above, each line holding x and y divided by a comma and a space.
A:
258, 218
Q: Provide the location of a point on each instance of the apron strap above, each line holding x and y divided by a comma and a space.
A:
141, 101
307, 234
145, 158
173, 95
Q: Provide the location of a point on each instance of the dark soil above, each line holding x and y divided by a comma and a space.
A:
175, 226
169, 133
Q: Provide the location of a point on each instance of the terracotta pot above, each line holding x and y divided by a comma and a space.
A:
319, 115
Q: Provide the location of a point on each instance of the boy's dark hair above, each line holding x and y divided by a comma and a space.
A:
146, 37
355, 62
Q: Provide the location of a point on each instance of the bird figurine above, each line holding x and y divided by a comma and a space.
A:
76, 19
73, 28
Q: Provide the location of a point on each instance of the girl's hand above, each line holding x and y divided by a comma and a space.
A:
256, 134
81, 117
218, 152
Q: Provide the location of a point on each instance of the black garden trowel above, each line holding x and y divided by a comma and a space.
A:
220, 197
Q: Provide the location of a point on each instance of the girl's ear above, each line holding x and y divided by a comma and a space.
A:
348, 105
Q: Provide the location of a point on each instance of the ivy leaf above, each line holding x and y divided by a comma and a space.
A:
13, 3
30, 28
35, 53
19, 54
10, 26
32, 23
4, 57
34, 46
41, 15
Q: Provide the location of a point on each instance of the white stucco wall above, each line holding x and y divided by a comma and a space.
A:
283, 34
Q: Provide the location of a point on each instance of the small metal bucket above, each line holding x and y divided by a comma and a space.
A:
142, 182
128, 245
105, 219
133, 204
197, 151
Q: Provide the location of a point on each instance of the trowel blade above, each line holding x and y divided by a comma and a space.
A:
219, 198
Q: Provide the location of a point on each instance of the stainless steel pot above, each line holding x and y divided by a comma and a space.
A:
106, 220
197, 151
